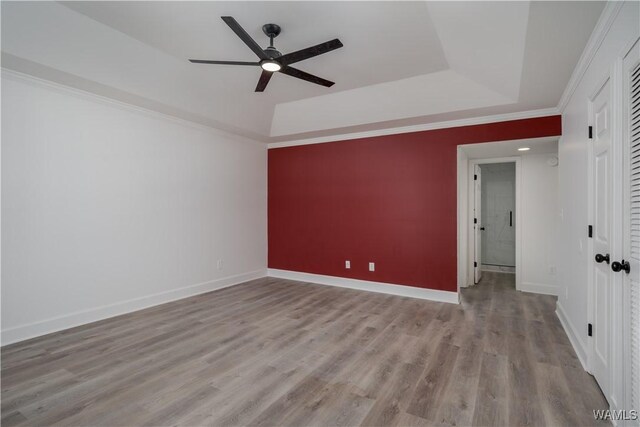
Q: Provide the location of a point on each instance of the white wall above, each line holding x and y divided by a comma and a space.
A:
108, 209
539, 207
573, 255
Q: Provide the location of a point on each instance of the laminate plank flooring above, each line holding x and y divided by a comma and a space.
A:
276, 352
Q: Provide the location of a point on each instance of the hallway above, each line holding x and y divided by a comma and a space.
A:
525, 342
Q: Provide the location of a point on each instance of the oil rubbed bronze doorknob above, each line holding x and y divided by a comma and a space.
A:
621, 266
600, 258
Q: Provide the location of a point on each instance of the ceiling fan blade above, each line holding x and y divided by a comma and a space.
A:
206, 61
264, 80
310, 52
294, 72
246, 38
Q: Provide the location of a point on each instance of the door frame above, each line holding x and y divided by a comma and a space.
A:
619, 383
614, 235
467, 256
477, 225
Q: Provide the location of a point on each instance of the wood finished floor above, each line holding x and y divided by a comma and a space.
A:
276, 352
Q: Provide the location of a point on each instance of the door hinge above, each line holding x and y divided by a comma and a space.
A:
475, 264
590, 132
475, 177
590, 330
590, 232
475, 220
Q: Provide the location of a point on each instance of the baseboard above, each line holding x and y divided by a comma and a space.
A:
36, 329
578, 345
497, 268
538, 288
365, 285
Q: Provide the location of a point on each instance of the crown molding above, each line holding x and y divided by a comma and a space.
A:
423, 127
608, 16
112, 102
52, 85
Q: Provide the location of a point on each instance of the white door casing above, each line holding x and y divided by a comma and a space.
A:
601, 208
477, 214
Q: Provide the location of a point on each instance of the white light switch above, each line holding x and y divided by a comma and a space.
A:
372, 266
347, 264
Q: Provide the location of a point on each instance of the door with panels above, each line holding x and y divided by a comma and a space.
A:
601, 203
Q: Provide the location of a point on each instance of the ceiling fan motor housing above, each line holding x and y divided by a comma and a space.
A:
272, 52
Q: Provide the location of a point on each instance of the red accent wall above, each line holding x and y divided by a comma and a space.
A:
388, 199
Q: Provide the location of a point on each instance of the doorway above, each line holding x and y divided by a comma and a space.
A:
498, 191
601, 242
497, 226
525, 222
494, 213
613, 347
472, 225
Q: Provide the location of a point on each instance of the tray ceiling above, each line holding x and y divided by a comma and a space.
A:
402, 62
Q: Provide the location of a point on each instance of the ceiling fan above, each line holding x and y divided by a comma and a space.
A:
271, 60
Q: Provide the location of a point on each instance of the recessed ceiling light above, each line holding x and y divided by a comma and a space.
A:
524, 149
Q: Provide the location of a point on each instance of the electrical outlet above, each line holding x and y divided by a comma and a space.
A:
347, 264
219, 264
372, 266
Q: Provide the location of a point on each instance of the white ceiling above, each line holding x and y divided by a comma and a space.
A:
403, 63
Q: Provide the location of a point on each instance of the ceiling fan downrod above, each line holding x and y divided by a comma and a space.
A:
272, 31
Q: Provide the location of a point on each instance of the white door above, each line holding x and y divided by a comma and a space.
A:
601, 197
631, 228
477, 220
498, 214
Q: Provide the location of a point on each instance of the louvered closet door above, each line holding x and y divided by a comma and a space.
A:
631, 281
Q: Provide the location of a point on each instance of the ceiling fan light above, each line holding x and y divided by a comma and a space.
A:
270, 66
